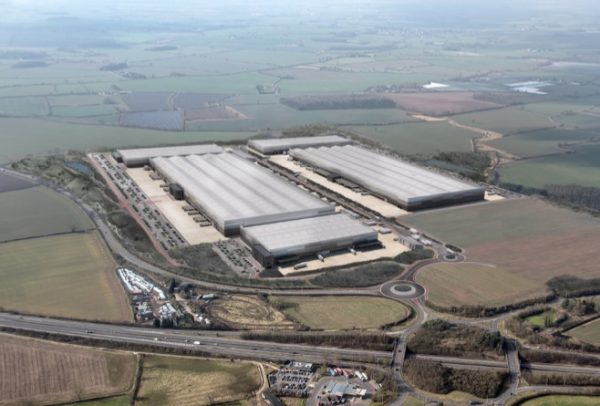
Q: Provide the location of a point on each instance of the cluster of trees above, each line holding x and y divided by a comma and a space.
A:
368, 274
575, 196
368, 341
561, 379
338, 102
553, 357
409, 257
572, 286
473, 165
524, 330
580, 307
439, 337
434, 377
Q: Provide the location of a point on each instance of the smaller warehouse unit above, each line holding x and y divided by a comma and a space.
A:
142, 156
290, 241
401, 183
271, 146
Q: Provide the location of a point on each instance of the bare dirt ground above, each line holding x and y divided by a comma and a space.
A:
40, 373
248, 312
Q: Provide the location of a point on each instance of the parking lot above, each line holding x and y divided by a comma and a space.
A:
291, 382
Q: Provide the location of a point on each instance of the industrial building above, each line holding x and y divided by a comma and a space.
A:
406, 185
142, 156
235, 192
271, 146
290, 241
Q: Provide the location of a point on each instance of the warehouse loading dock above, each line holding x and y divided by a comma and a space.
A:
290, 241
404, 184
370, 202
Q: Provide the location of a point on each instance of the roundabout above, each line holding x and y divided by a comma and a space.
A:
402, 290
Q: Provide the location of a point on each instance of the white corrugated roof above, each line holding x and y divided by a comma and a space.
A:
315, 230
230, 188
278, 144
394, 178
147, 153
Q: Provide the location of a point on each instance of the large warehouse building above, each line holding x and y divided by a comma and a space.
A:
271, 146
404, 184
290, 241
235, 192
142, 156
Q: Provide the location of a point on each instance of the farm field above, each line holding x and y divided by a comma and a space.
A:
440, 103
259, 116
418, 138
474, 284
24, 106
35, 136
589, 332
193, 381
9, 183
247, 312
562, 400
39, 211
37, 372
508, 120
581, 167
525, 228
542, 142
339, 313
65, 276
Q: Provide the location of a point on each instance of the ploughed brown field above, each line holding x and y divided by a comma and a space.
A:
36, 372
513, 248
440, 103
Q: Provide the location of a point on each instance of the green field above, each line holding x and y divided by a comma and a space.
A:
33, 136
563, 400
39, 211
539, 320
505, 121
84, 111
24, 106
581, 167
193, 381
419, 138
542, 142
589, 332
338, 313
66, 276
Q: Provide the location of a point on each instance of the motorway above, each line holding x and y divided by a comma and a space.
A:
210, 342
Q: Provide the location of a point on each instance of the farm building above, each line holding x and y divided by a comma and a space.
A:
406, 185
142, 156
279, 145
290, 241
235, 192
